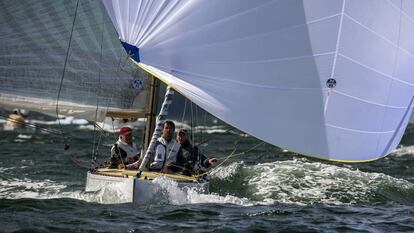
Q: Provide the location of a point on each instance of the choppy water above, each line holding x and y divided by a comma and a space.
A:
265, 190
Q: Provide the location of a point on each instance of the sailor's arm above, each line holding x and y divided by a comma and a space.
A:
206, 162
159, 158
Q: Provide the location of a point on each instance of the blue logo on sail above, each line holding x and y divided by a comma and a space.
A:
137, 84
331, 83
132, 51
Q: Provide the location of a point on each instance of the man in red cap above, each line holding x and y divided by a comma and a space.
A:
124, 151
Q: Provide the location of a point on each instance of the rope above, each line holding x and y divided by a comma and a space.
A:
242, 153
231, 155
76, 161
218, 165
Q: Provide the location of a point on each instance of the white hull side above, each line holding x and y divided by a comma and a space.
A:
134, 190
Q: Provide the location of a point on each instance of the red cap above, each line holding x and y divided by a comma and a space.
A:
125, 130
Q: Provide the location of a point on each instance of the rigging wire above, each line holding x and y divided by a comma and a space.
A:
192, 121
77, 162
196, 120
66, 147
94, 152
226, 158
231, 155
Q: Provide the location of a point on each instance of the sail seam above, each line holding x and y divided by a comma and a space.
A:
369, 102
276, 59
361, 131
338, 38
379, 35
249, 37
328, 94
375, 70
235, 82
402, 11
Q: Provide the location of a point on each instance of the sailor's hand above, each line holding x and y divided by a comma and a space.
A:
212, 160
129, 159
121, 166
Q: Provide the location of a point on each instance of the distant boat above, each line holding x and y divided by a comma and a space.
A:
15, 120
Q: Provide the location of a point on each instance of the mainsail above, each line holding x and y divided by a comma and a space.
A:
36, 38
326, 78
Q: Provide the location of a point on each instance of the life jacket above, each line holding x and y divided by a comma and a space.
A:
130, 149
121, 150
170, 151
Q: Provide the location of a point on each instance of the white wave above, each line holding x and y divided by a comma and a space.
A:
106, 128
179, 196
294, 182
226, 171
24, 136
210, 129
106, 195
3, 169
64, 121
302, 182
113, 126
47, 189
26, 188
403, 150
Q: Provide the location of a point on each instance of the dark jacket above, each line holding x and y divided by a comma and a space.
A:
192, 157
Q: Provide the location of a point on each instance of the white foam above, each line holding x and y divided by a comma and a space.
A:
63, 121
113, 126
294, 181
302, 182
179, 196
24, 136
226, 171
210, 129
47, 189
26, 188
403, 150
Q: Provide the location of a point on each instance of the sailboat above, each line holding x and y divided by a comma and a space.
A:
64, 59
326, 79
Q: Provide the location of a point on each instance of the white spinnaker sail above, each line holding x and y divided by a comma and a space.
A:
34, 41
326, 78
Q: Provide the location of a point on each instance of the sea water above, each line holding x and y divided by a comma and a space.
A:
268, 189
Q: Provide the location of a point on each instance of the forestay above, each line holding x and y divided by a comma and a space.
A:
326, 78
35, 39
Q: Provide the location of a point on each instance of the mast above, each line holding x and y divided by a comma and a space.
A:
157, 131
152, 111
